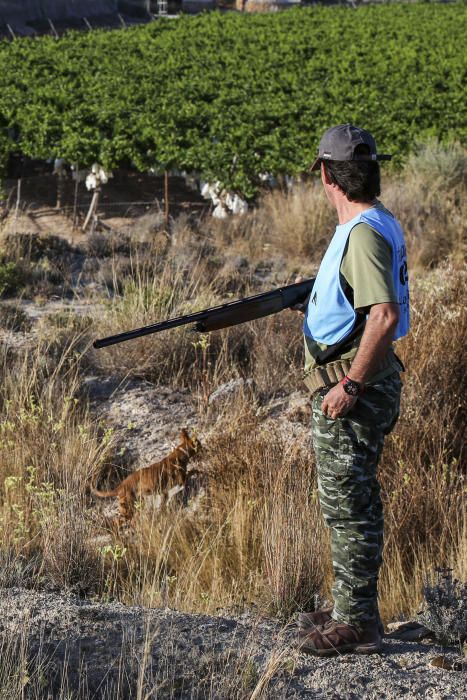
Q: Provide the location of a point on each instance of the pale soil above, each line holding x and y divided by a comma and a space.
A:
106, 650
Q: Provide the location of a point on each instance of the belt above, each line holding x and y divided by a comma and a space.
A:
333, 372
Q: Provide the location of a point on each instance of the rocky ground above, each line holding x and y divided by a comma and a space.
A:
112, 651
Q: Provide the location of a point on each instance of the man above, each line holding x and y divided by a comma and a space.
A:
363, 275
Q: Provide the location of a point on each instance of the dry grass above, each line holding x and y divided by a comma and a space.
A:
247, 541
429, 199
50, 447
288, 227
256, 536
422, 476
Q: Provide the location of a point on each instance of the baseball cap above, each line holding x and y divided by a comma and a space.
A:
340, 142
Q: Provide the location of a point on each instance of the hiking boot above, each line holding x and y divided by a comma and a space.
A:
306, 621
335, 638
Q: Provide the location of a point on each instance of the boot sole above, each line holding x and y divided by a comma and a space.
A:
303, 626
374, 648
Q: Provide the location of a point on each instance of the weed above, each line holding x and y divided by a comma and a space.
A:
13, 317
445, 611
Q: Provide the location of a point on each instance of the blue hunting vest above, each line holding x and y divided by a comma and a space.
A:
330, 316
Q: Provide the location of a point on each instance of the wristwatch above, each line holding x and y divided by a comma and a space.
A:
351, 387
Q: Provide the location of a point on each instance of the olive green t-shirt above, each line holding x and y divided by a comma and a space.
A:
366, 278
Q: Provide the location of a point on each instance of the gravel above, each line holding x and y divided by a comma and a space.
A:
98, 650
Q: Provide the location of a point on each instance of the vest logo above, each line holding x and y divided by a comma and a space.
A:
403, 276
314, 299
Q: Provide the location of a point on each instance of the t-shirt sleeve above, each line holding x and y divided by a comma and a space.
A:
367, 267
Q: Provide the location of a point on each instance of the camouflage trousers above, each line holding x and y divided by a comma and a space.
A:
347, 452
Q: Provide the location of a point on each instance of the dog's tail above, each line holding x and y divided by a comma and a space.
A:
103, 494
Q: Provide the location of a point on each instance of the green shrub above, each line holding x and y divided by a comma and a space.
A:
10, 278
440, 162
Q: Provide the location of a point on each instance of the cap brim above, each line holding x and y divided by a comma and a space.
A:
316, 165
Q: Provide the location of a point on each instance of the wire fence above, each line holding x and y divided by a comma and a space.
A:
44, 195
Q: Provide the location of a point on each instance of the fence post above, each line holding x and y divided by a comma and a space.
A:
75, 199
60, 189
18, 201
91, 215
166, 196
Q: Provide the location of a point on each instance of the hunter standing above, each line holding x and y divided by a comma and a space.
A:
355, 398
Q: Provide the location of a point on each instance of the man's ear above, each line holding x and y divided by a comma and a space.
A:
324, 176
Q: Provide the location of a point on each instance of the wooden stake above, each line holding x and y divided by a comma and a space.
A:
75, 201
92, 209
54, 31
166, 196
60, 189
18, 200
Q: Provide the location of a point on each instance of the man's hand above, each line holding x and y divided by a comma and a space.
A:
299, 308
337, 403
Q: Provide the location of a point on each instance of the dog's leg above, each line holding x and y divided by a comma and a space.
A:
126, 502
164, 498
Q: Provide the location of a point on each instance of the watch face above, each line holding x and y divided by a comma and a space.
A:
351, 388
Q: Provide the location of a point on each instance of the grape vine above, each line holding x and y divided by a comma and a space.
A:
233, 96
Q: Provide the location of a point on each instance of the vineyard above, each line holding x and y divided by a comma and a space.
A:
233, 97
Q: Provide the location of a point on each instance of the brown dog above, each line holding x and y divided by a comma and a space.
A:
159, 477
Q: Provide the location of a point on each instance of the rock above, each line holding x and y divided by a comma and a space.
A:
448, 664
102, 388
229, 389
146, 419
299, 408
408, 631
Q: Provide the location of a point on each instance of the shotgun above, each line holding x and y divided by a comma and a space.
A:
225, 315
241, 311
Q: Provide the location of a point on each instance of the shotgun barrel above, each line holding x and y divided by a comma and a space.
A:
230, 314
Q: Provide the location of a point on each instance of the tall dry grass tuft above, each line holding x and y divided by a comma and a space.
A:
50, 448
69, 560
180, 357
422, 475
293, 537
288, 226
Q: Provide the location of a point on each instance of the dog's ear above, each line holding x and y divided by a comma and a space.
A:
184, 434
